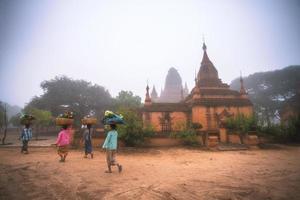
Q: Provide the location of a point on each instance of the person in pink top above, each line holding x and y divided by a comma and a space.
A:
62, 142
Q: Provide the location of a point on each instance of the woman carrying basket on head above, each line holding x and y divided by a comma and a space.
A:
64, 136
111, 140
87, 135
26, 133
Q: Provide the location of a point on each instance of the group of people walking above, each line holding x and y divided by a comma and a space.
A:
64, 139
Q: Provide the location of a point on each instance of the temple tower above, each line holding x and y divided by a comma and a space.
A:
172, 92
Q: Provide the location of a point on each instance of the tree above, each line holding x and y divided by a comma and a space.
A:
65, 94
15, 120
292, 129
284, 132
3, 122
43, 118
127, 99
270, 90
1, 115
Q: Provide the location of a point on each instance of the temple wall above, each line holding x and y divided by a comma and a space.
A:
218, 96
246, 110
155, 141
179, 120
155, 120
206, 116
199, 116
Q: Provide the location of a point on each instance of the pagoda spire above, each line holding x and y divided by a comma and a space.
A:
185, 90
205, 59
154, 95
181, 93
185, 86
204, 46
208, 74
242, 89
147, 99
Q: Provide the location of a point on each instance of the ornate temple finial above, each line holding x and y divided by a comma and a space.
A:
242, 89
147, 99
185, 86
147, 88
204, 46
186, 89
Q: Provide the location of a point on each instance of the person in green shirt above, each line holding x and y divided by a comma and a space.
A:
110, 145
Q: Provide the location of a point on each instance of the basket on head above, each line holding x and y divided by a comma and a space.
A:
60, 121
65, 119
26, 122
112, 118
89, 120
26, 119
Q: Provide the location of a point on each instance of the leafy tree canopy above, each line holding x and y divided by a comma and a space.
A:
42, 117
127, 99
270, 90
63, 94
15, 120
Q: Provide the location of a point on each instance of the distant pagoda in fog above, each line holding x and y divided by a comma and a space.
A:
173, 91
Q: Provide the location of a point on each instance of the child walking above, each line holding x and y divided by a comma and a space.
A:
26, 135
87, 138
63, 141
110, 145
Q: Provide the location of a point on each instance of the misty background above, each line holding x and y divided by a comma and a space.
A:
122, 44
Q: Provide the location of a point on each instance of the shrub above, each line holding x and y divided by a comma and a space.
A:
180, 126
197, 126
292, 129
288, 132
133, 133
148, 131
241, 124
188, 136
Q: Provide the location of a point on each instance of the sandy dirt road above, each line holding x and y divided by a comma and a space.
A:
166, 173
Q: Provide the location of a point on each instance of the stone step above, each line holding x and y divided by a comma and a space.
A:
232, 147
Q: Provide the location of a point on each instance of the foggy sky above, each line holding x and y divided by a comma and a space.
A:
122, 44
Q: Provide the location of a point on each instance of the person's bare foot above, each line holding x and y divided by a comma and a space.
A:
107, 171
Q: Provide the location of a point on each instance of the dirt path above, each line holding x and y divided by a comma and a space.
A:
152, 174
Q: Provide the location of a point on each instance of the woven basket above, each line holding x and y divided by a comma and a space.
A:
63, 121
91, 120
26, 121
